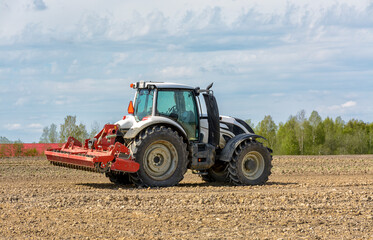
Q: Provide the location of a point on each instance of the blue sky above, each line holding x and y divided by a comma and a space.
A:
268, 57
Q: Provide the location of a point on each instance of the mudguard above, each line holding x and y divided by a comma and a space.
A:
153, 120
233, 143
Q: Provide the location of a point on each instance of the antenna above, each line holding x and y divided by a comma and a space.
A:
209, 86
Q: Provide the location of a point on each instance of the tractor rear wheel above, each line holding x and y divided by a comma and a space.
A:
250, 164
162, 156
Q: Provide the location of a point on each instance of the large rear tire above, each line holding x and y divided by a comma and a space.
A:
162, 156
250, 164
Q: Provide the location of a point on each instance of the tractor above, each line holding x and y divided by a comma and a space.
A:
167, 132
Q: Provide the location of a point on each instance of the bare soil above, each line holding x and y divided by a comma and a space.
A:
307, 197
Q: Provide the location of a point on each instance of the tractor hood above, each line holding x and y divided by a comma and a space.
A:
127, 122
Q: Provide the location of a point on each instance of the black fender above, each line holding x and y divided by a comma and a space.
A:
232, 144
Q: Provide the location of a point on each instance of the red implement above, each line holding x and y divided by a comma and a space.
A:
100, 154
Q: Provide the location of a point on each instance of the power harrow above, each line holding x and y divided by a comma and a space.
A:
100, 154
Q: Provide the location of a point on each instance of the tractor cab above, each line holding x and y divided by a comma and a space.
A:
177, 104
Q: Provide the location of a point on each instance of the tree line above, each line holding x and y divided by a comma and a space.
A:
299, 135
7, 141
68, 128
314, 136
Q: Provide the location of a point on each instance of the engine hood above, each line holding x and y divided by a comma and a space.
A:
127, 122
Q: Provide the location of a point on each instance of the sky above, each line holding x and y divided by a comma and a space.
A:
265, 57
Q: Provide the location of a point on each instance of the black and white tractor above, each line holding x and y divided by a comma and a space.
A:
167, 132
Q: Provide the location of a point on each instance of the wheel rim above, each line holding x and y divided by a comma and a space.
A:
253, 165
160, 160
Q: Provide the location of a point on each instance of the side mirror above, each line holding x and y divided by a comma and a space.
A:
130, 109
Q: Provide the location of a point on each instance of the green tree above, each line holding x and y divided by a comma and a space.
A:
44, 135
331, 143
317, 133
287, 143
53, 134
4, 140
307, 141
251, 124
301, 122
70, 128
370, 137
95, 128
341, 138
49, 135
356, 137
267, 128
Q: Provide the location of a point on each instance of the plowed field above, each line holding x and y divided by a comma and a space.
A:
308, 197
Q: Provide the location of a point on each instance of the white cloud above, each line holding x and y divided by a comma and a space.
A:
28, 71
18, 126
338, 109
348, 104
125, 20
5, 71
278, 94
54, 68
65, 100
13, 126
74, 66
35, 126
319, 92
176, 72
118, 58
21, 101
94, 87
39, 5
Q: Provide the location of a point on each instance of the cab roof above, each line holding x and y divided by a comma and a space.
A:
161, 85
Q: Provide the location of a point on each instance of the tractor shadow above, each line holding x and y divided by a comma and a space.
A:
281, 183
218, 184
113, 186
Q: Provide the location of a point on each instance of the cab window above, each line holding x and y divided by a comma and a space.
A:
180, 105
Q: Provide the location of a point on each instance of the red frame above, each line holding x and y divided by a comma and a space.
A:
104, 152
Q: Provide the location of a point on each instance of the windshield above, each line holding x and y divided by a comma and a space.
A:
144, 103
